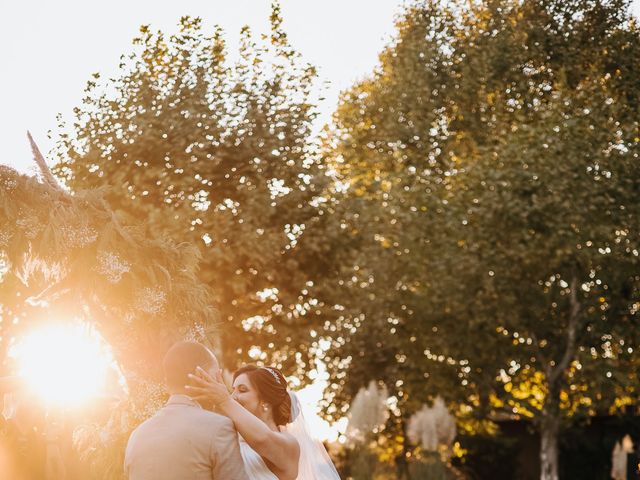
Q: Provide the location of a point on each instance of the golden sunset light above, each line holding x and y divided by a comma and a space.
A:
337, 240
66, 365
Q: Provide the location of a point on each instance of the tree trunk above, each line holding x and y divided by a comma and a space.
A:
549, 430
551, 415
402, 466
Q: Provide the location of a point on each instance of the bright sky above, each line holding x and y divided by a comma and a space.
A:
49, 49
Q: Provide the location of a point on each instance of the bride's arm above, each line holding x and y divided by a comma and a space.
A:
279, 448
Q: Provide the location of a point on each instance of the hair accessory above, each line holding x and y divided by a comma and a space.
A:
273, 372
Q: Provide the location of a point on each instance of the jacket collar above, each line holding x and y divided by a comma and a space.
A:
185, 400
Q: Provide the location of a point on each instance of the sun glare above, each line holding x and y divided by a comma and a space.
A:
65, 365
310, 397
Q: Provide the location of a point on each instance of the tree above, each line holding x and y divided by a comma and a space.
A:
216, 153
492, 169
67, 257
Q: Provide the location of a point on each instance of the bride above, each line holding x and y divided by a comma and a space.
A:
275, 442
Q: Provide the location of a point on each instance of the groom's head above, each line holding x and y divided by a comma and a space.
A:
182, 359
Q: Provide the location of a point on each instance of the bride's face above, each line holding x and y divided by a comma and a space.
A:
245, 394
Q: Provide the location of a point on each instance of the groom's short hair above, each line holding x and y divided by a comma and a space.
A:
182, 359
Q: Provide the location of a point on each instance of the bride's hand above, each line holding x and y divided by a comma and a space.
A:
207, 388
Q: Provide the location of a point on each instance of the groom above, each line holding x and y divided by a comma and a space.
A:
182, 441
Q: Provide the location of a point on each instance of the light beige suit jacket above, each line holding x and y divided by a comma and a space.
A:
184, 442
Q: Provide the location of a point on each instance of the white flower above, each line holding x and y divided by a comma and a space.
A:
5, 237
30, 225
4, 265
151, 300
112, 266
618, 462
196, 333
368, 412
79, 237
433, 427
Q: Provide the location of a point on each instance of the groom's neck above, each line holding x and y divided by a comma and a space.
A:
177, 391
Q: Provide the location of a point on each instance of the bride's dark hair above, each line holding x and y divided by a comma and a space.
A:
272, 388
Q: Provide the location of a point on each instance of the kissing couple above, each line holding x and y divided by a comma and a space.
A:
259, 433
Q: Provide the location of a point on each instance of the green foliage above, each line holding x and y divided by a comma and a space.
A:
492, 456
66, 257
492, 163
216, 152
72, 254
362, 463
431, 467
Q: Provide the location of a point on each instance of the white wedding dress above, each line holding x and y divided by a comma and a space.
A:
315, 463
253, 464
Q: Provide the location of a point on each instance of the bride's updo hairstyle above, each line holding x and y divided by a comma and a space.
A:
272, 389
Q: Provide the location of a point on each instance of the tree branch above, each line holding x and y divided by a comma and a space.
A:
572, 332
42, 164
544, 359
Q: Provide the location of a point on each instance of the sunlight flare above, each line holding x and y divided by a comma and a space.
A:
65, 365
